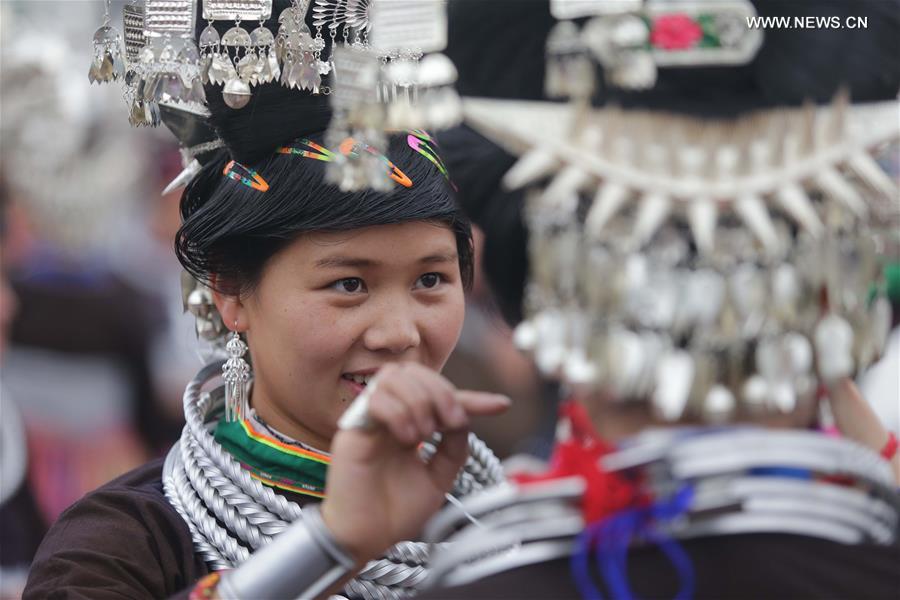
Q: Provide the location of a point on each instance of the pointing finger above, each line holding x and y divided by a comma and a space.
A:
482, 403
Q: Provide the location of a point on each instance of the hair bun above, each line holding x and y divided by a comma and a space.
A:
275, 114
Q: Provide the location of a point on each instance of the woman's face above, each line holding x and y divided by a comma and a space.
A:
331, 308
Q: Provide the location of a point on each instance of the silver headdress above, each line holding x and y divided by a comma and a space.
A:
50, 123
710, 268
631, 39
727, 271
716, 267
165, 63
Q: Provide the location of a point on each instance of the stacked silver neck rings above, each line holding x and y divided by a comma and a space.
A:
230, 514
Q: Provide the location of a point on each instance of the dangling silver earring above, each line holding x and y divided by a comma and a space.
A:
236, 373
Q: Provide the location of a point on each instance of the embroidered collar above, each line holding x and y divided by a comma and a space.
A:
273, 458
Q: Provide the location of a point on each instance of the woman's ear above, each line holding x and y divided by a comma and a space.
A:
231, 308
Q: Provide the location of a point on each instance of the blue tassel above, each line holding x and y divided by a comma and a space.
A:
612, 537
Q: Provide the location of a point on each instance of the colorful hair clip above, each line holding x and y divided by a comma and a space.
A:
318, 152
420, 141
247, 176
350, 147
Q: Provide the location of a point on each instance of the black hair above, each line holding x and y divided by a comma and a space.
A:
231, 230
477, 165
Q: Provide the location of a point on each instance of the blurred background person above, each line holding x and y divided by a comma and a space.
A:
486, 359
880, 385
694, 450
78, 361
21, 524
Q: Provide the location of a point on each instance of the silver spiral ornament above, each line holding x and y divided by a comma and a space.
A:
229, 514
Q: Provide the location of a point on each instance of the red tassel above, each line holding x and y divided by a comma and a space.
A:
580, 454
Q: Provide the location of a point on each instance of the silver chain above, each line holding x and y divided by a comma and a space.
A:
207, 486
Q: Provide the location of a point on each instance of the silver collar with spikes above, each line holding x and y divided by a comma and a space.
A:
765, 296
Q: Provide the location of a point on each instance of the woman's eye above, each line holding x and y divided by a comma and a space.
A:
429, 280
349, 285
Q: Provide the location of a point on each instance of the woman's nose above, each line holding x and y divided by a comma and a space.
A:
394, 329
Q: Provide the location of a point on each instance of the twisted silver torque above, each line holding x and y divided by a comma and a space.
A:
207, 486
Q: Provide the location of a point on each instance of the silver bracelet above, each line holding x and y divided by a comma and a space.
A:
303, 562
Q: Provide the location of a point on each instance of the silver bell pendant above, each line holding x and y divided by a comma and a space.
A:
236, 93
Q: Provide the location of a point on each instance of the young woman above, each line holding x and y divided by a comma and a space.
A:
332, 291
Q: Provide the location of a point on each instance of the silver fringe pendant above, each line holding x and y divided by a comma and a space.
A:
299, 51
236, 373
108, 63
238, 59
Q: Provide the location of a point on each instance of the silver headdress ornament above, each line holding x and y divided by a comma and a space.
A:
72, 204
233, 59
108, 64
164, 62
386, 74
391, 78
632, 38
717, 269
197, 299
706, 269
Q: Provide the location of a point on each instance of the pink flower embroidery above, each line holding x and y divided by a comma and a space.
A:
675, 32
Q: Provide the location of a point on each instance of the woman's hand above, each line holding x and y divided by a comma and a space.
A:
378, 490
856, 420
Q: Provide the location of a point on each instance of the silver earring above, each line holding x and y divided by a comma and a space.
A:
236, 373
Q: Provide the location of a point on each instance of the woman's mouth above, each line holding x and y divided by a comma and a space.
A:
357, 382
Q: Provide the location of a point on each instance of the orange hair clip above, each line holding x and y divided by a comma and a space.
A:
249, 177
